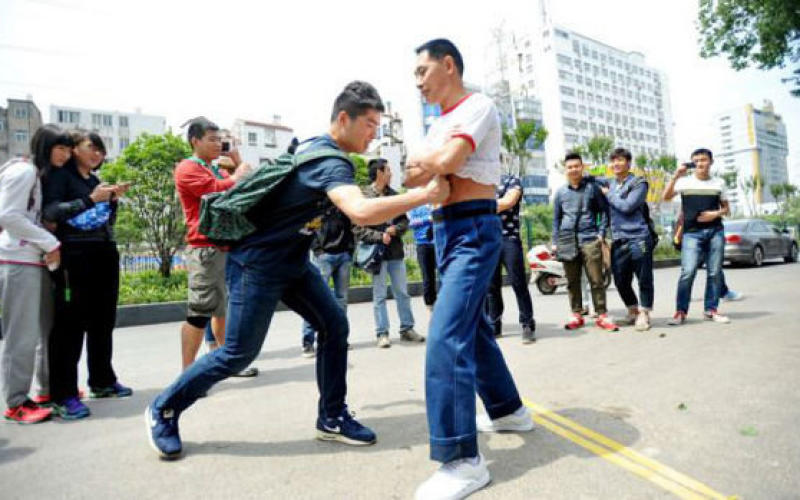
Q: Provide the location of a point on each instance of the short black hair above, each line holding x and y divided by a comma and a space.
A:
621, 153
373, 166
43, 141
356, 99
572, 155
438, 48
703, 151
198, 128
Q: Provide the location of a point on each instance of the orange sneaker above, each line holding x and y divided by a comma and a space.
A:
605, 322
576, 321
27, 413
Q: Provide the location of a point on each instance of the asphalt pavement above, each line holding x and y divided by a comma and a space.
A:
698, 411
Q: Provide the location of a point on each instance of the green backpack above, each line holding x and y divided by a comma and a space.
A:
224, 216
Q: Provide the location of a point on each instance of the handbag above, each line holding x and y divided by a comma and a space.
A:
369, 256
567, 239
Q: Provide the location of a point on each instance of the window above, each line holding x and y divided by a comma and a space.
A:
568, 106
65, 116
594, 54
123, 121
2, 126
252, 139
20, 113
582, 110
124, 142
561, 34
571, 123
576, 47
567, 90
564, 59
579, 79
565, 75
108, 121
580, 94
589, 82
269, 138
21, 136
109, 143
97, 120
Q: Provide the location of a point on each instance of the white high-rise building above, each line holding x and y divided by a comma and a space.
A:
589, 88
117, 129
751, 143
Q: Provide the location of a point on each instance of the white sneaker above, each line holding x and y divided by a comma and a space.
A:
455, 480
642, 322
519, 421
716, 317
732, 296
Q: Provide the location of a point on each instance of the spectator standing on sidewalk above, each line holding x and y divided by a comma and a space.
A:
205, 262
422, 226
509, 199
704, 202
580, 211
332, 249
632, 247
26, 295
389, 234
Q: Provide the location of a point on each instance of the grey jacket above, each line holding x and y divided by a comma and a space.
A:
625, 203
590, 210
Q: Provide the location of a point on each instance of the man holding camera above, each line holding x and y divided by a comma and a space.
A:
194, 177
704, 202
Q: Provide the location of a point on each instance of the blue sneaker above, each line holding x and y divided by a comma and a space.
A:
162, 432
71, 409
344, 429
115, 391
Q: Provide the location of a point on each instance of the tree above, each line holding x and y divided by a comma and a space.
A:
750, 186
519, 141
362, 172
152, 204
599, 147
765, 33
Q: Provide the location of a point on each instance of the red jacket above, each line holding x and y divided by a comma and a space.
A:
192, 181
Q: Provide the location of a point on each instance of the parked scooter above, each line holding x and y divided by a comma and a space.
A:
548, 273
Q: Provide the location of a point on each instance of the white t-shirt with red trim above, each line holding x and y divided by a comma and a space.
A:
475, 119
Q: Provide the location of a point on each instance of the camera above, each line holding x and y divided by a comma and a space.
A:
689, 165
226, 146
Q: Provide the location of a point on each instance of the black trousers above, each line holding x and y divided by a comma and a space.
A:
87, 287
511, 257
426, 257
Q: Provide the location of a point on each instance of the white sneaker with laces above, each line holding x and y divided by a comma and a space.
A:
519, 421
642, 322
455, 480
716, 317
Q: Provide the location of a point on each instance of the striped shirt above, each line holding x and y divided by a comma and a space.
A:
697, 196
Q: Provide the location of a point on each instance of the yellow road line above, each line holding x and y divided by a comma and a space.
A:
681, 485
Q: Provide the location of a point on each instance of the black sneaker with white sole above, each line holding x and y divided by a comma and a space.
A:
344, 429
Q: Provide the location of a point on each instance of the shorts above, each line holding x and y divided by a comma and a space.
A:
207, 293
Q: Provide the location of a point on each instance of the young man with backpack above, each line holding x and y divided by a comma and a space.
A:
632, 247
580, 222
271, 263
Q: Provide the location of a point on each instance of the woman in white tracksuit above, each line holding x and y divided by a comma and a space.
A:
26, 251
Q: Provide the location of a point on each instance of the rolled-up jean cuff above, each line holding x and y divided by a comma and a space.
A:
503, 409
444, 453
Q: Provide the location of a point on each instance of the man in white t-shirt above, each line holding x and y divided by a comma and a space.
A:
463, 144
703, 204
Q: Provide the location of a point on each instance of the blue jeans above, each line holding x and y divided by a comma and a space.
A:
629, 258
462, 355
708, 244
396, 269
336, 266
255, 286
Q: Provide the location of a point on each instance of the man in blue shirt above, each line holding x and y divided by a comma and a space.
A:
632, 247
420, 222
272, 264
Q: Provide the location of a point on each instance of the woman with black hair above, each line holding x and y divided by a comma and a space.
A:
87, 285
26, 251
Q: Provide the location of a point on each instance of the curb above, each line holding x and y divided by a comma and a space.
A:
168, 312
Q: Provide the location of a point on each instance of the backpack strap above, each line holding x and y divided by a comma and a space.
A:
316, 154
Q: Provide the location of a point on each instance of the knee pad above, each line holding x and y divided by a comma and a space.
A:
198, 321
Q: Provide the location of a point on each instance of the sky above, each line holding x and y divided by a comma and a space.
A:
253, 60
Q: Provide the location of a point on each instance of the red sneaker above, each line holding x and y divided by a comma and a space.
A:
42, 399
605, 322
27, 413
575, 322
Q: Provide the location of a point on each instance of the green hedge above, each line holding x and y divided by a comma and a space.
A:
149, 286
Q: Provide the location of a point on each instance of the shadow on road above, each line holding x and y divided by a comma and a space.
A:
11, 454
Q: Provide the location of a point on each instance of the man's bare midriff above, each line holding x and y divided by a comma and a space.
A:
463, 189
